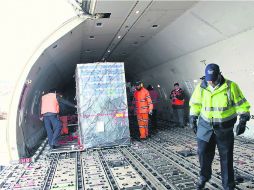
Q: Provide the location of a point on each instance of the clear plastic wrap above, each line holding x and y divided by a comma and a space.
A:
102, 105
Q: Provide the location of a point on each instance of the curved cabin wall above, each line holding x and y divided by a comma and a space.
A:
33, 31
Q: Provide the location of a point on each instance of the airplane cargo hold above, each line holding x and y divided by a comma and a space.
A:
160, 42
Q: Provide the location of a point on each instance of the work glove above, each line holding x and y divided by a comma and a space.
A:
193, 123
151, 112
240, 129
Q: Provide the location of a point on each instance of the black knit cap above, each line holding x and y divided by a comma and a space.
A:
138, 83
149, 87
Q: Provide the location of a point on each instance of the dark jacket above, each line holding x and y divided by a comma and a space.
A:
66, 107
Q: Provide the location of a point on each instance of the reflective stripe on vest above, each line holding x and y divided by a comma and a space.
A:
216, 108
218, 120
225, 108
240, 102
229, 92
49, 103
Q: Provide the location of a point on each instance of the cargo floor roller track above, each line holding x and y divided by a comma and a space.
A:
167, 160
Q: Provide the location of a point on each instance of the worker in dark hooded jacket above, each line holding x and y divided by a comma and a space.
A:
215, 103
155, 98
177, 101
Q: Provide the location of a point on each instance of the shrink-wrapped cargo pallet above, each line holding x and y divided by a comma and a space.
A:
102, 105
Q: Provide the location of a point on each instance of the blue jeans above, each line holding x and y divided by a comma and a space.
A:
53, 127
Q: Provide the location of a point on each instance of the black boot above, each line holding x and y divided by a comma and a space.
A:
200, 185
55, 146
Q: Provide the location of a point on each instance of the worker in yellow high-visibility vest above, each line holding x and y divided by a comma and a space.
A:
216, 102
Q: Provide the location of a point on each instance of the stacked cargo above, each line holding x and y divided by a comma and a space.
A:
102, 105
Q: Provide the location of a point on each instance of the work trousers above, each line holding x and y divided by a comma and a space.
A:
206, 152
154, 119
53, 127
143, 124
178, 115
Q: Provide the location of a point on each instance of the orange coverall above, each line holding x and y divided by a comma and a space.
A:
143, 103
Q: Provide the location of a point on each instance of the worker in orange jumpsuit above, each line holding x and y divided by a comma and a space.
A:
144, 106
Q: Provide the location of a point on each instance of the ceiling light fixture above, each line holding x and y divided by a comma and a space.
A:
102, 15
119, 37
137, 12
98, 24
109, 51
